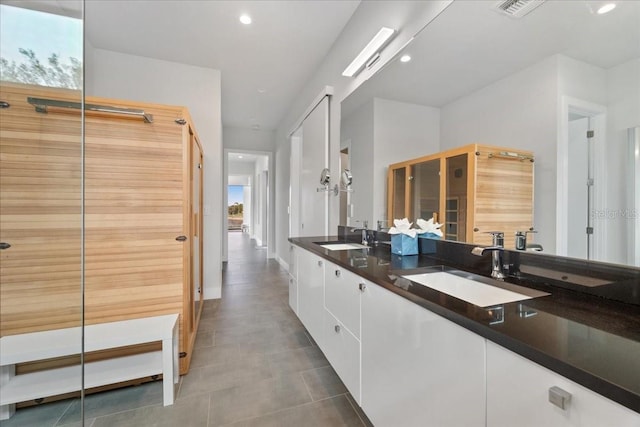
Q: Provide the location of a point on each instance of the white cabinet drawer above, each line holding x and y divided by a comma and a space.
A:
311, 294
293, 261
518, 394
342, 296
293, 294
342, 349
418, 369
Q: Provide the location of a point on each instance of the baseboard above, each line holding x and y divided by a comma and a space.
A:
282, 263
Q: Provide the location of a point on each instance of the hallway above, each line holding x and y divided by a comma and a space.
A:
254, 358
253, 366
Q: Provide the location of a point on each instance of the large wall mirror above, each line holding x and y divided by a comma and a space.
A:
539, 82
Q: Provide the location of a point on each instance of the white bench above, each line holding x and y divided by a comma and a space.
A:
34, 346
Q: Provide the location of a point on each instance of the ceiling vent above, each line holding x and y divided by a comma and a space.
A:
517, 8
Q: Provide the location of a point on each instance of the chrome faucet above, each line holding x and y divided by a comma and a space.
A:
365, 232
496, 250
382, 225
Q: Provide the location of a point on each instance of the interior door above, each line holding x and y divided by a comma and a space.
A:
314, 205
196, 228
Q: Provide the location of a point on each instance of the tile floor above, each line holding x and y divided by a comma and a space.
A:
253, 365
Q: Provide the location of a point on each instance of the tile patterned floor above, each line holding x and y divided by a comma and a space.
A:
253, 365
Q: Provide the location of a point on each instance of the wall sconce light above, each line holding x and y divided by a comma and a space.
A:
372, 48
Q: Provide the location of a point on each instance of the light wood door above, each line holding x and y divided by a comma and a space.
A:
40, 213
193, 292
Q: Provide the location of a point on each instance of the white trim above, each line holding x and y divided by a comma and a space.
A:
326, 91
633, 142
598, 114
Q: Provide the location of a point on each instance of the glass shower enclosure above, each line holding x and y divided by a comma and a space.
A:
41, 210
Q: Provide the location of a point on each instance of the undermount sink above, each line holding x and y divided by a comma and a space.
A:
342, 246
473, 291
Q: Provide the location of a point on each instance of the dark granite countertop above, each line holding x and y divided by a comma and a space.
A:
591, 340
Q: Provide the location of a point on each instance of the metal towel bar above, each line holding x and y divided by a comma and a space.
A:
511, 155
42, 104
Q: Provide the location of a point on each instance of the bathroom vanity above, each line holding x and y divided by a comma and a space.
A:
413, 355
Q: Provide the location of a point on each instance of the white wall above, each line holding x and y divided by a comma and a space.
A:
117, 75
248, 139
260, 202
402, 131
519, 111
358, 127
408, 17
623, 108
235, 168
383, 132
247, 205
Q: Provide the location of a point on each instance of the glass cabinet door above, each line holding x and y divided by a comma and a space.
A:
398, 188
456, 198
425, 190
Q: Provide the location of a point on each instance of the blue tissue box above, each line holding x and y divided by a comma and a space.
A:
427, 243
401, 244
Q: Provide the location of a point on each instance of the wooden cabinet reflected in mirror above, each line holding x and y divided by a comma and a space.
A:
484, 189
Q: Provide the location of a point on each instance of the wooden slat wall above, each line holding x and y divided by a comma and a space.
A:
504, 196
134, 210
40, 214
133, 213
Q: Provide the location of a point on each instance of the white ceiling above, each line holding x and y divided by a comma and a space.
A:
470, 45
276, 54
245, 157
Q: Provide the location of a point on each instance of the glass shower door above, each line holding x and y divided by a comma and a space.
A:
41, 208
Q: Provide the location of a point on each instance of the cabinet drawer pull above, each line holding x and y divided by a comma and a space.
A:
337, 273
362, 286
559, 397
336, 328
181, 238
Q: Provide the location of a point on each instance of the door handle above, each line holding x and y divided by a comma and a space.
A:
4, 245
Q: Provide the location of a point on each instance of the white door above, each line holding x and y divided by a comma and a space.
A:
309, 158
579, 194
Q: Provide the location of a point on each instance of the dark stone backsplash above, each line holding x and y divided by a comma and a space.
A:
611, 281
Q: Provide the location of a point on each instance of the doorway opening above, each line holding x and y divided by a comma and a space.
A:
247, 197
581, 180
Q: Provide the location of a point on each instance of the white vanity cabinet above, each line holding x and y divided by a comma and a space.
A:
293, 278
418, 369
518, 395
342, 290
311, 294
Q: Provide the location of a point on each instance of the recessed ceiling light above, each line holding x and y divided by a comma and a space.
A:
405, 58
239, 157
606, 8
262, 90
245, 19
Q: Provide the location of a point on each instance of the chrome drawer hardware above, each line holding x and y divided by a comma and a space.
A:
559, 397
